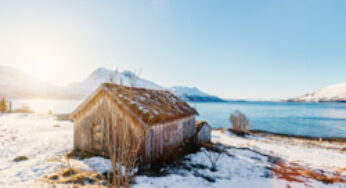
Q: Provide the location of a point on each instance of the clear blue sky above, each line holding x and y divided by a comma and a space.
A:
234, 49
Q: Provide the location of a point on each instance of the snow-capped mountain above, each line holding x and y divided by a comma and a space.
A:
15, 83
333, 93
193, 94
82, 89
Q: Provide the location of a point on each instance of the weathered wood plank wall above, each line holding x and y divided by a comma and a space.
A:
204, 134
105, 114
163, 139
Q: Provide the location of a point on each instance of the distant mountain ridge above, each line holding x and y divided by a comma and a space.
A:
15, 83
193, 94
333, 93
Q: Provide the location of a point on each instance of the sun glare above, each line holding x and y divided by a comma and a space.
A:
38, 70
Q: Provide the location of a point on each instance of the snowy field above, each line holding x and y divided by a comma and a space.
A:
324, 156
39, 137
246, 162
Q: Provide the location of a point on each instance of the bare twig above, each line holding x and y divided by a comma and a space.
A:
113, 76
134, 77
213, 157
123, 148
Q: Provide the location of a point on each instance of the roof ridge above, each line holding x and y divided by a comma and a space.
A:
109, 84
125, 107
147, 106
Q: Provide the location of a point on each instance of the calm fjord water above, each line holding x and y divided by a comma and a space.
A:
306, 119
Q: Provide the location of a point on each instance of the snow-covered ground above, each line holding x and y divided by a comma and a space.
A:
39, 137
325, 156
245, 169
244, 163
248, 163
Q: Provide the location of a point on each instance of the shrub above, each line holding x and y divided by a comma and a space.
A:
213, 157
24, 109
239, 121
123, 150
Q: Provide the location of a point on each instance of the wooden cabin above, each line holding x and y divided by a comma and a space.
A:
159, 120
203, 132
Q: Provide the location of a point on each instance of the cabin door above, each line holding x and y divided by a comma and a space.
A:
96, 138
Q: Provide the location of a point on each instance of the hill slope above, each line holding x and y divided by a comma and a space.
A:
333, 93
81, 89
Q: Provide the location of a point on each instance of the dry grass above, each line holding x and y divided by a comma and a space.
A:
200, 123
72, 177
152, 106
78, 154
75, 177
295, 173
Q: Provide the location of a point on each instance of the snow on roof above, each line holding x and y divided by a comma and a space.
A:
152, 106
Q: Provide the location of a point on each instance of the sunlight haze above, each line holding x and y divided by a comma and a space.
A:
173, 93
265, 51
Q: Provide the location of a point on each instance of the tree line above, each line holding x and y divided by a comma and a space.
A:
5, 106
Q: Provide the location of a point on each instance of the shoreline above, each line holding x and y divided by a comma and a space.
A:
331, 139
269, 133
